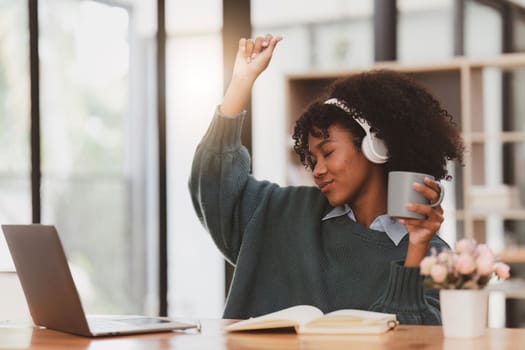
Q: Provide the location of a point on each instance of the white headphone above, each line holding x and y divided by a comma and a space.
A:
372, 146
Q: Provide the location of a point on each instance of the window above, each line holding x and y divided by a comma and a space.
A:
15, 172
94, 136
420, 23
194, 88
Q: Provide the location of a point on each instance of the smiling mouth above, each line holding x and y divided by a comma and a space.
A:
325, 186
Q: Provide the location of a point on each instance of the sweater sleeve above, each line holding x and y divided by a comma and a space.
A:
223, 193
406, 297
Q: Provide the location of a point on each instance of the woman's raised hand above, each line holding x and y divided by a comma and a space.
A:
253, 56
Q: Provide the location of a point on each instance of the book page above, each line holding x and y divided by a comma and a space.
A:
372, 315
351, 322
289, 317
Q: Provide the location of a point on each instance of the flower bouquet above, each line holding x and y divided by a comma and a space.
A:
470, 266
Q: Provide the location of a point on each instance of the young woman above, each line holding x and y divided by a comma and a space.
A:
331, 246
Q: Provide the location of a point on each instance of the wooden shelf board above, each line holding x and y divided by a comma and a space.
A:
503, 61
334, 74
480, 214
511, 288
508, 214
513, 255
481, 137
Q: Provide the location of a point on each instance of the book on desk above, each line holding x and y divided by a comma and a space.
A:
307, 319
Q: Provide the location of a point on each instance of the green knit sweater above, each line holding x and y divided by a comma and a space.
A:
283, 253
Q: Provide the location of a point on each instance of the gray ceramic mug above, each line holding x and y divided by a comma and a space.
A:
400, 193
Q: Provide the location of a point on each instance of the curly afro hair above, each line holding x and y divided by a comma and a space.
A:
420, 135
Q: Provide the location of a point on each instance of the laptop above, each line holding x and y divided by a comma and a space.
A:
52, 296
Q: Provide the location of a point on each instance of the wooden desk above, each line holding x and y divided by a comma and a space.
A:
212, 337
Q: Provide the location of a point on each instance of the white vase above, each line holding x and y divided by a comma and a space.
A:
463, 312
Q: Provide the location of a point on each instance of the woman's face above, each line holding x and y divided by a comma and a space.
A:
340, 169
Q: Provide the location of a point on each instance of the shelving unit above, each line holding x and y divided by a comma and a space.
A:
460, 84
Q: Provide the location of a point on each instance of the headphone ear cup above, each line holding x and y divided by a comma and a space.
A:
367, 152
379, 148
374, 149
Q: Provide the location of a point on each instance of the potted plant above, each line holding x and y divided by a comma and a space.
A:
461, 276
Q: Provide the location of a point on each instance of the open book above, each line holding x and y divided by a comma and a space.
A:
306, 319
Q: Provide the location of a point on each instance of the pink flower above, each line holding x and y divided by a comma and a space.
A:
438, 273
426, 264
465, 246
446, 258
484, 249
470, 267
465, 264
485, 263
502, 270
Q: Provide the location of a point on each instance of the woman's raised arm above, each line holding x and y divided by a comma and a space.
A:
253, 56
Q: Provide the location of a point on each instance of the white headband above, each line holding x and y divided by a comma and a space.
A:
358, 117
340, 104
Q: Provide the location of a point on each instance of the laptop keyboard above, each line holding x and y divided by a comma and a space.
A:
109, 325
104, 324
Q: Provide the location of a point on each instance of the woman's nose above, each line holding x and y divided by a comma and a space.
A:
319, 170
